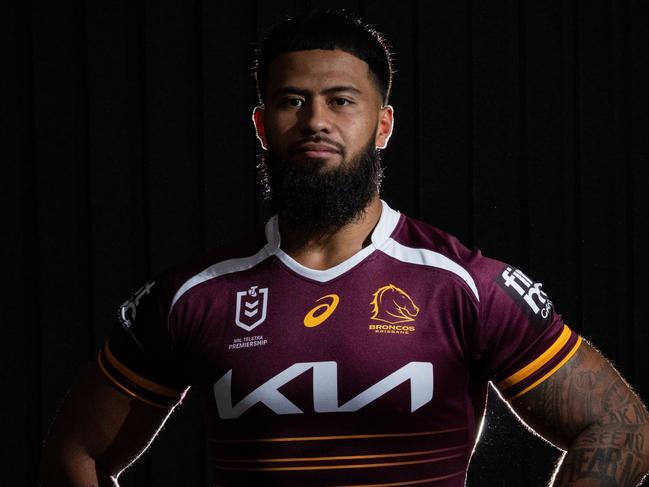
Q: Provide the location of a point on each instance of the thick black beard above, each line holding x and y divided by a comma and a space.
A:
313, 200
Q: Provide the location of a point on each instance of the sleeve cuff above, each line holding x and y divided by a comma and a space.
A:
541, 368
135, 385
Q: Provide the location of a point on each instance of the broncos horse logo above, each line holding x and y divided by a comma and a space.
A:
393, 305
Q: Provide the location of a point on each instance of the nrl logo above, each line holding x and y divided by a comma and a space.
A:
393, 305
251, 307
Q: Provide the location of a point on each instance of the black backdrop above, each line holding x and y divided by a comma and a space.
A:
520, 127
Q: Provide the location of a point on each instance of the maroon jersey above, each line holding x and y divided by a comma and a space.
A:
373, 372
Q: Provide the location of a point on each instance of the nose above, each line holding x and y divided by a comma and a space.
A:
314, 118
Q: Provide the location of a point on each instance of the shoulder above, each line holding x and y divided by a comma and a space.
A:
418, 242
414, 233
492, 282
179, 281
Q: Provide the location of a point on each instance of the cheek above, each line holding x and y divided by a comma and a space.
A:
359, 133
278, 128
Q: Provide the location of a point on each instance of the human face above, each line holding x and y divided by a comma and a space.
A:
321, 108
313, 200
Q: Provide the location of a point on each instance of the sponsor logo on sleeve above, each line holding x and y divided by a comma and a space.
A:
319, 314
128, 310
527, 293
251, 307
392, 307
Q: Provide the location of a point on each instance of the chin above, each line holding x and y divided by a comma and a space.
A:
320, 164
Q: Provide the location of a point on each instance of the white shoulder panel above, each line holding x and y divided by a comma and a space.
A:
220, 269
428, 258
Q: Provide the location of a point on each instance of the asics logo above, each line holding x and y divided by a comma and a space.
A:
320, 313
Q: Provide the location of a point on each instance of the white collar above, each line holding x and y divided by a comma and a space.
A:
384, 228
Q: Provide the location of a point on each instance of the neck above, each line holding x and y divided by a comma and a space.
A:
326, 249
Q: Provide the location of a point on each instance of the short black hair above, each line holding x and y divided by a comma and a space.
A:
326, 30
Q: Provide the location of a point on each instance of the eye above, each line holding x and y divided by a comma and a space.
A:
341, 102
292, 102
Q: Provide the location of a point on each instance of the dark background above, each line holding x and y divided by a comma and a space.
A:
520, 128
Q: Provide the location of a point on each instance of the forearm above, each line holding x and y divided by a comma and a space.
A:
611, 455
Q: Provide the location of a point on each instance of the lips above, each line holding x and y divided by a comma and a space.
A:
315, 150
316, 147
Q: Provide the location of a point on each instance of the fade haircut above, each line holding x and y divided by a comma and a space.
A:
326, 30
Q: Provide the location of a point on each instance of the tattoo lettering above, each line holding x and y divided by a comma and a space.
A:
629, 440
610, 466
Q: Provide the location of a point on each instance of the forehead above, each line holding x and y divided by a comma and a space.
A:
317, 68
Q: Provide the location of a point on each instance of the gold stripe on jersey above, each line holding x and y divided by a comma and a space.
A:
340, 437
392, 484
340, 467
341, 457
137, 379
556, 367
124, 388
409, 482
539, 362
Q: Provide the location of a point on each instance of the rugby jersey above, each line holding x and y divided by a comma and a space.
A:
373, 372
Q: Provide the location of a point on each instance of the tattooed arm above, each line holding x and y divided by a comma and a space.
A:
587, 409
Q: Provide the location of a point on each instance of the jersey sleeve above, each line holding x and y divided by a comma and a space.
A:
520, 337
139, 355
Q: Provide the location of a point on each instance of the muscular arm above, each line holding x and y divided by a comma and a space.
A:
587, 409
98, 432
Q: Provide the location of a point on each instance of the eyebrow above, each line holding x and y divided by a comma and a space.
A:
286, 90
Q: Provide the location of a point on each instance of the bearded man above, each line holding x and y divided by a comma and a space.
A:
348, 344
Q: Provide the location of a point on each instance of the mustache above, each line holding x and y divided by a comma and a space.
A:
317, 139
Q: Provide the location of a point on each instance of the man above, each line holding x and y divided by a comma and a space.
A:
350, 344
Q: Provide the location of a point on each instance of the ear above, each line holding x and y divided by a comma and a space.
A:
260, 129
385, 126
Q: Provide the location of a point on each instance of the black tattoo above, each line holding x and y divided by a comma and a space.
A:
627, 440
588, 409
610, 466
